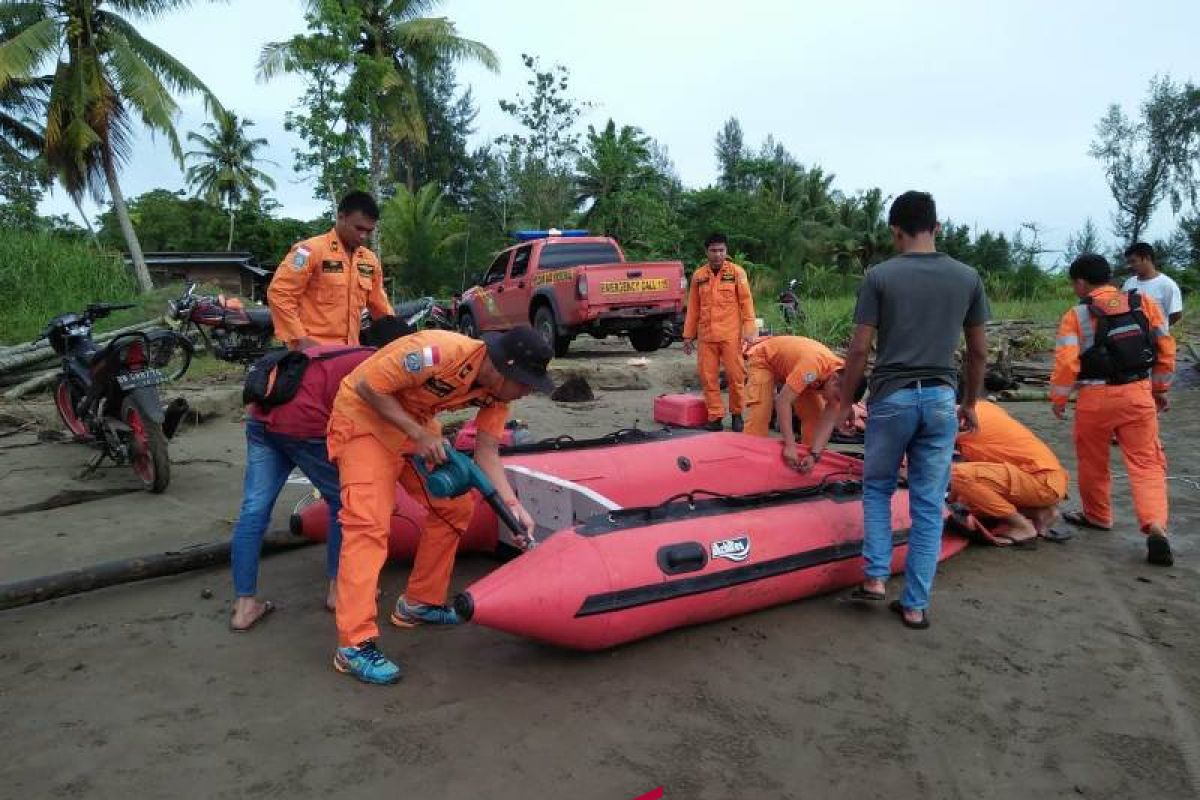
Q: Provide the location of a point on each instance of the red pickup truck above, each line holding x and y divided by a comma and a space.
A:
565, 283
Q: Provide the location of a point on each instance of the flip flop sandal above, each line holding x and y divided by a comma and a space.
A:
863, 593
922, 624
1057, 536
1078, 519
1018, 544
268, 607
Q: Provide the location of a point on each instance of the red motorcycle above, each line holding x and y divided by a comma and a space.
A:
229, 330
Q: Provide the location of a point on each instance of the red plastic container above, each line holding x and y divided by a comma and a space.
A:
681, 410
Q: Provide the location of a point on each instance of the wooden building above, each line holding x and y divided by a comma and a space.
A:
235, 273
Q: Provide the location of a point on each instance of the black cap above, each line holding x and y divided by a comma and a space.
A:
521, 355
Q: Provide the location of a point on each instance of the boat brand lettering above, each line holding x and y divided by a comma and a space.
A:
735, 549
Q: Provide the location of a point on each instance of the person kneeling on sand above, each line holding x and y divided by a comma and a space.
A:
385, 415
1008, 474
286, 430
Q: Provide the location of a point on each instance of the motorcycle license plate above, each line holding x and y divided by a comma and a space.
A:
140, 379
629, 287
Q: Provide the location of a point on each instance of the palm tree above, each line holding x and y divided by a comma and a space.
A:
612, 162
392, 42
105, 75
418, 233
223, 171
22, 100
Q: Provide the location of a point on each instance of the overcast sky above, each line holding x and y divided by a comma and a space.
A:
989, 105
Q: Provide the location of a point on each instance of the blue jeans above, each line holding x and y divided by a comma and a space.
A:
270, 458
921, 423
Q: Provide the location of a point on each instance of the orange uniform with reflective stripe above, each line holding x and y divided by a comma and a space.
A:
428, 373
1007, 467
1126, 411
720, 312
800, 363
319, 291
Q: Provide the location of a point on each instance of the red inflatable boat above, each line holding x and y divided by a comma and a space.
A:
643, 532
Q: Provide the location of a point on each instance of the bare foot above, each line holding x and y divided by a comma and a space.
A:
875, 585
1043, 518
1020, 529
247, 611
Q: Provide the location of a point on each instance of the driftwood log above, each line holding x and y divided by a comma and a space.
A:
11, 361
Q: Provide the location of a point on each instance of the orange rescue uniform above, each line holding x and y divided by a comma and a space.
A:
319, 291
1007, 467
802, 364
720, 312
1126, 410
427, 372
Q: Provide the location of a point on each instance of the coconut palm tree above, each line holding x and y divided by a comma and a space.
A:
105, 76
22, 101
612, 162
223, 171
419, 234
392, 42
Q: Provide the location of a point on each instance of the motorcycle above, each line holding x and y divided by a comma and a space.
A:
408, 317
238, 334
108, 396
789, 306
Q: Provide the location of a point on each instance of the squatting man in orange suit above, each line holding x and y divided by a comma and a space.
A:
720, 313
1115, 348
384, 416
320, 289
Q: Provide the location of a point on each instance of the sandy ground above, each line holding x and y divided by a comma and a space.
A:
1069, 671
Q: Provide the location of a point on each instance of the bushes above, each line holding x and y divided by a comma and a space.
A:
42, 275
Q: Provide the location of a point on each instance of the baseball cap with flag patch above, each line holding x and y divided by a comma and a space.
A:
521, 355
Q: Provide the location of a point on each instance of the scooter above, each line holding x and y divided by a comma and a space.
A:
789, 306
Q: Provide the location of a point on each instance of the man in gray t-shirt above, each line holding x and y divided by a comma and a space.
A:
918, 304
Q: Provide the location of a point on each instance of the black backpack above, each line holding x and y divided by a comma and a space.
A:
288, 367
1123, 350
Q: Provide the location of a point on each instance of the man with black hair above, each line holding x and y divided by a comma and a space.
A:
320, 289
720, 313
1151, 283
1115, 349
919, 304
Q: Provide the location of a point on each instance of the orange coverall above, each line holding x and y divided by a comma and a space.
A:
427, 372
1127, 410
803, 364
720, 312
1007, 467
319, 291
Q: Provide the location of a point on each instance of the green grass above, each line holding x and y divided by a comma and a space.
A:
42, 275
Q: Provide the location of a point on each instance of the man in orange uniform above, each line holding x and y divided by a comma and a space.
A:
383, 416
811, 376
720, 313
1116, 349
320, 289
1008, 474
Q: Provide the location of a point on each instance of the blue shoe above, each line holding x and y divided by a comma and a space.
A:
366, 663
410, 615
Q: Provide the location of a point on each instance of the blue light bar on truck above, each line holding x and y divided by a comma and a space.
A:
526, 236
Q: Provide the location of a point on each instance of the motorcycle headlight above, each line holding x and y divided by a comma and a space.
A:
172, 310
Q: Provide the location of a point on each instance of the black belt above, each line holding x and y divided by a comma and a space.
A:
925, 383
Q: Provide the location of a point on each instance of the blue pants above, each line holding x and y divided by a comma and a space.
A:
270, 458
921, 423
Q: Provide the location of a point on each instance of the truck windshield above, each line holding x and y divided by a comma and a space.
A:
568, 254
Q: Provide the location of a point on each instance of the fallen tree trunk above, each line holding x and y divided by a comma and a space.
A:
129, 570
14, 361
31, 385
1023, 395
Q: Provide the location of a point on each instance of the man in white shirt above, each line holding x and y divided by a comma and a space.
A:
1150, 282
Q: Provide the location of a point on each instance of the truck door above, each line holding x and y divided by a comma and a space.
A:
491, 287
513, 294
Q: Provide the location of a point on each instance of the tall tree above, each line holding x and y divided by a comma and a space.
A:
389, 43
449, 121
105, 75
22, 172
731, 156
223, 171
1084, 240
1152, 157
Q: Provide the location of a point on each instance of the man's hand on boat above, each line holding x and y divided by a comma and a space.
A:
791, 457
523, 540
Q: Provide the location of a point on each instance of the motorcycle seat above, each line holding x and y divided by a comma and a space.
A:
410, 307
259, 317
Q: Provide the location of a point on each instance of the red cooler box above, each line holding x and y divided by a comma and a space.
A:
682, 410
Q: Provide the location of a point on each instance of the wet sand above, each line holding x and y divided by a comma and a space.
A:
1068, 671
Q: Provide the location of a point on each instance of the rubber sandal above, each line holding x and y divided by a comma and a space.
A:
1018, 544
268, 607
1079, 520
863, 593
899, 610
1057, 536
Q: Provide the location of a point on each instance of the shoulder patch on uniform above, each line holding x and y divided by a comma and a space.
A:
300, 259
412, 361
431, 356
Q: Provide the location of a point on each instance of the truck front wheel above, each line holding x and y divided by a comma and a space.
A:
547, 328
646, 340
467, 326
